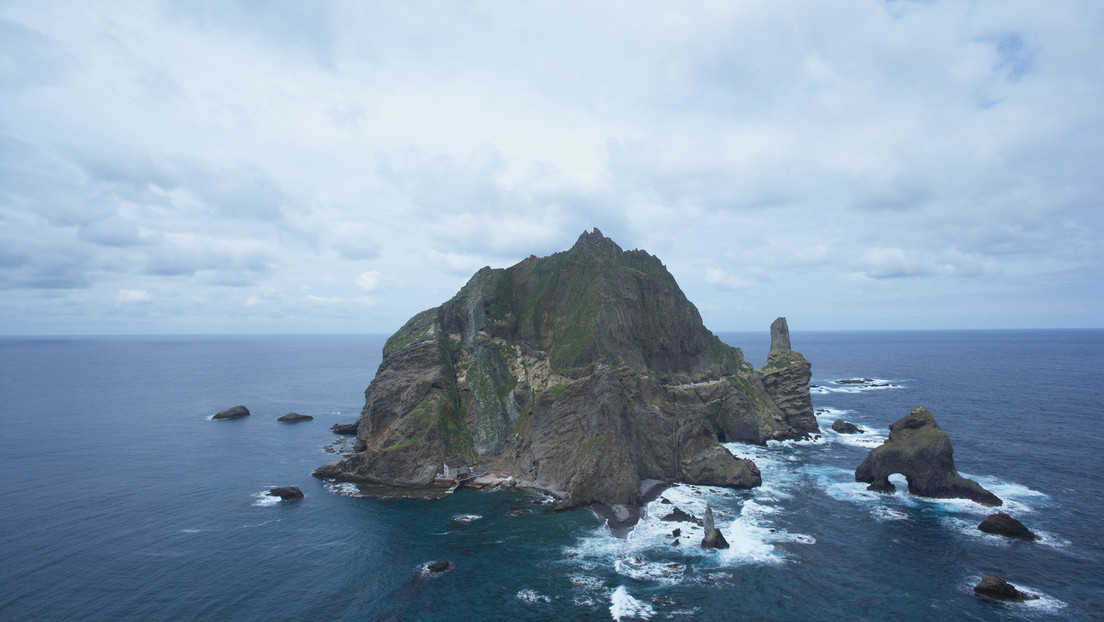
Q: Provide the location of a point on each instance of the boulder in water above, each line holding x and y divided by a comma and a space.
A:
843, 427
438, 566
287, 493
992, 586
1002, 524
235, 412
295, 418
678, 515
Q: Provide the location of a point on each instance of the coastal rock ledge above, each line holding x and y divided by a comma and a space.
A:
584, 374
920, 450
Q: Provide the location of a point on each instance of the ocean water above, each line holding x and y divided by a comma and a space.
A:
123, 501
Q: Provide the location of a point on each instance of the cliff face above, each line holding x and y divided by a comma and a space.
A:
584, 373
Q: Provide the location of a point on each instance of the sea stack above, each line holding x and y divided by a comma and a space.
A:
713, 538
786, 378
584, 374
918, 449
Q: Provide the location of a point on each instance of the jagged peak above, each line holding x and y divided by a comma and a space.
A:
594, 242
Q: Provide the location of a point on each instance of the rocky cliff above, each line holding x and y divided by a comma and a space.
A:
586, 373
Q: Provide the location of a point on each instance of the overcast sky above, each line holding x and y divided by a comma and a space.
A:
285, 166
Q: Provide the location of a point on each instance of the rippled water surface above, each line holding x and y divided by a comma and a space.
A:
125, 502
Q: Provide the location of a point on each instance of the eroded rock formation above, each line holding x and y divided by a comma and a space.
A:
713, 538
585, 374
786, 376
918, 449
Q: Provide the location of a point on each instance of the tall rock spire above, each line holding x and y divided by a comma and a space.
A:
780, 335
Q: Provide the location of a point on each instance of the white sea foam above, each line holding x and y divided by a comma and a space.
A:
883, 513
263, 499
624, 606
344, 489
667, 573
532, 597
869, 438
874, 384
464, 519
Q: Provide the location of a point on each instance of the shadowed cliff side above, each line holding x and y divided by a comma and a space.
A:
587, 374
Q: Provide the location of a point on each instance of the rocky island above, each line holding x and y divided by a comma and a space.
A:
920, 450
586, 374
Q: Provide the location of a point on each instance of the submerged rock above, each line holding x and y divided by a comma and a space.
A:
1002, 524
287, 493
843, 427
918, 449
295, 418
584, 374
235, 412
992, 586
713, 538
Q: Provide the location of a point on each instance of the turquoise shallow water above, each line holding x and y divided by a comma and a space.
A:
125, 503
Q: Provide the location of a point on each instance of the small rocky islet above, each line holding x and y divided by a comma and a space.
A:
921, 451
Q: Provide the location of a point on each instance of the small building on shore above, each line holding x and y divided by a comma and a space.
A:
457, 468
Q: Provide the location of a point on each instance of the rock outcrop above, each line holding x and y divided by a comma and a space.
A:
918, 449
992, 586
1002, 524
786, 376
345, 429
287, 493
584, 374
713, 538
438, 566
844, 427
234, 412
295, 418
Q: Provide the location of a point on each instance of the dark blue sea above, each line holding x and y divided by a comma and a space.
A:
123, 501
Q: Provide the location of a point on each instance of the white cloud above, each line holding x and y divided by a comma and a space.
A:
243, 155
369, 281
724, 280
133, 296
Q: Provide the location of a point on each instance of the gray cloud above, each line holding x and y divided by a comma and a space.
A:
255, 153
28, 57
